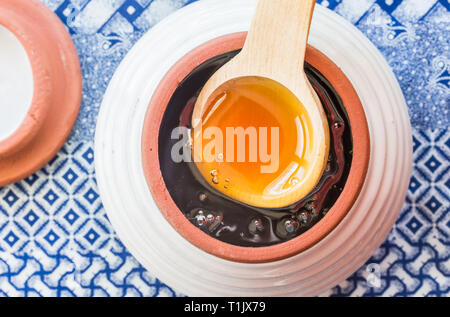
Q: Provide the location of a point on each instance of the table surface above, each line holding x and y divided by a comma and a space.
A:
55, 237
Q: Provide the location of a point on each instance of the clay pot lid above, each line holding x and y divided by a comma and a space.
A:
56, 95
155, 181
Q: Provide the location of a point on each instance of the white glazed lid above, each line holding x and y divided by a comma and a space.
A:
40, 92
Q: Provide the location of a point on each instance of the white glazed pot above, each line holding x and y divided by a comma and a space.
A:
154, 242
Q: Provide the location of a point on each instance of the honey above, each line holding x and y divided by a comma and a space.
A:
254, 142
225, 218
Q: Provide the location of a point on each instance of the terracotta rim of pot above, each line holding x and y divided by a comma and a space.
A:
168, 208
56, 88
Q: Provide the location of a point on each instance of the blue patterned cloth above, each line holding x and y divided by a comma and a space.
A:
55, 238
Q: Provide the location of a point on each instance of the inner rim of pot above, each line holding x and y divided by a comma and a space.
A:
233, 222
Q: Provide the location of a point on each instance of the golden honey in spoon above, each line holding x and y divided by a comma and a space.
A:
254, 143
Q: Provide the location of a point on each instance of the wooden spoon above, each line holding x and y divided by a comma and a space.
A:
275, 49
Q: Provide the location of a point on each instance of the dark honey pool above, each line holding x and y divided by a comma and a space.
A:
231, 221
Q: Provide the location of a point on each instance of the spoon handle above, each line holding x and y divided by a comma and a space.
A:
278, 35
